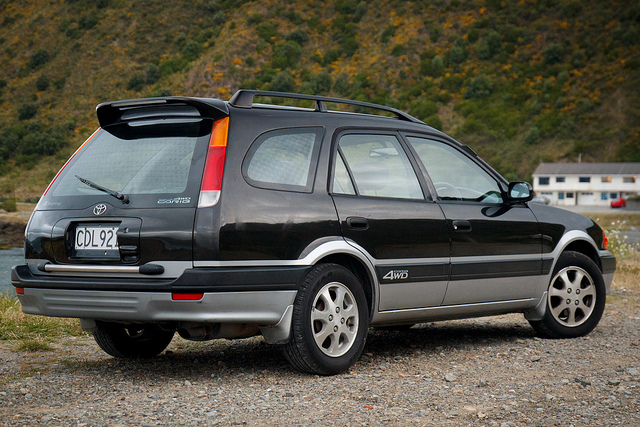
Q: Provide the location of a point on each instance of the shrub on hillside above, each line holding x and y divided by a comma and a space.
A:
286, 55
533, 136
27, 111
490, 45
136, 82
480, 87
9, 205
42, 83
38, 59
553, 54
282, 82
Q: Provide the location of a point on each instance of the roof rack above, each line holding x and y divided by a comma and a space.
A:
244, 99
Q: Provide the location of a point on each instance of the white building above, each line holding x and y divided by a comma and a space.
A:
568, 184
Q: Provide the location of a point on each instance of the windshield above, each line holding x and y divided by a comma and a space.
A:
137, 160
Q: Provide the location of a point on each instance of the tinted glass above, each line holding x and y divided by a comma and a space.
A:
455, 176
145, 161
379, 166
341, 182
283, 159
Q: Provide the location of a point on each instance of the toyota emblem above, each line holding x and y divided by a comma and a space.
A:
99, 209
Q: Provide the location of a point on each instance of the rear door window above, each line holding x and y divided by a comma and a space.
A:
375, 166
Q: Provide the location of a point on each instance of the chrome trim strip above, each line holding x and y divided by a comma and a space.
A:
57, 268
172, 269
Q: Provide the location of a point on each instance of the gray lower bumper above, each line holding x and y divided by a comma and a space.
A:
260, 308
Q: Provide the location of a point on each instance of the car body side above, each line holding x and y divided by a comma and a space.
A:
249, 253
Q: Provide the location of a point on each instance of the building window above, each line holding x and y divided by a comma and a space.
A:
629, 179
559, 179
569, 195
606, 179
543, 180
613, 195
585, 179
561, 196
604, 196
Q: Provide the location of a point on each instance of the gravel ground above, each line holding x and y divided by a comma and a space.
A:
490, 371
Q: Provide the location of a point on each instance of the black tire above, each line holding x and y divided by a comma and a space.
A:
575, 299
132, 341
330, 322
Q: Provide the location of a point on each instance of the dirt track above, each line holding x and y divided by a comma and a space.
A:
491, 371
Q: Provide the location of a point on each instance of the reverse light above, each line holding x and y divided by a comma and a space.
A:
605, 241
67, 162
186, 297
214, 164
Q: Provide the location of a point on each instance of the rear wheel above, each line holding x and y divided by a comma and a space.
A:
132, 341
330, 322
575, 299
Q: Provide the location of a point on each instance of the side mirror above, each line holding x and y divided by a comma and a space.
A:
520, 192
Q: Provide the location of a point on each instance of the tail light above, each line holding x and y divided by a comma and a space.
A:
605, 241
70, 158
214, 164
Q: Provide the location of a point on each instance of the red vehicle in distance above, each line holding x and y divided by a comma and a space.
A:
618, 203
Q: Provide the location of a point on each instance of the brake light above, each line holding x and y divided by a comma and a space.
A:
70, 158
214, 164
605, 241
186, 297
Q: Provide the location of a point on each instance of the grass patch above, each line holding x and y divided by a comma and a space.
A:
619, 220
32, 333
34, 345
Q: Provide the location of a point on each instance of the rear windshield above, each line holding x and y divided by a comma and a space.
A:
150, 163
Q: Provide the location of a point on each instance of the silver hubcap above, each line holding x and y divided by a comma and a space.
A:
572, 296
334, 319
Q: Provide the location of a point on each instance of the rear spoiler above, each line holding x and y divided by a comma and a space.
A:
150, 108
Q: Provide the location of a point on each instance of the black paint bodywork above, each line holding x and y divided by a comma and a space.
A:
252, 224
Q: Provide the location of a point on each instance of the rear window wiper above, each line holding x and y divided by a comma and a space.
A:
115, 194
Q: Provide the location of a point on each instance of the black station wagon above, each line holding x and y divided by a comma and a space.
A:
305, 224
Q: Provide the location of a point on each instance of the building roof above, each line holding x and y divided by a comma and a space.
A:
588, 169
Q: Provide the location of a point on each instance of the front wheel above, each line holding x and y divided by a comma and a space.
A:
132, 341
330, 322
575, 299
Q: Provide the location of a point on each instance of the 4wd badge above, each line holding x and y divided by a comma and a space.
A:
99, 209
396, 275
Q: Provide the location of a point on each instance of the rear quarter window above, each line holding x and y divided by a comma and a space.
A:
283, 159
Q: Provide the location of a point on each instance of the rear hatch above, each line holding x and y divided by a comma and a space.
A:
128, 196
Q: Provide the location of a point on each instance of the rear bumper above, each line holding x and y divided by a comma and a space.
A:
261, 308
261, 296
215, 279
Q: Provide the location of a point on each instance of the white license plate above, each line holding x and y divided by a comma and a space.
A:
96, 238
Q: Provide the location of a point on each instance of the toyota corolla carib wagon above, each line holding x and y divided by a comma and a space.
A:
306, 225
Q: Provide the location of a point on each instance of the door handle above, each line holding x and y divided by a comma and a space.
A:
357, 223
462, 226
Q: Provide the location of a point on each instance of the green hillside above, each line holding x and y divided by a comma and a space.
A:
520, 81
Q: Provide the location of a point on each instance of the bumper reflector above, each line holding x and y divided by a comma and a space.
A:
20, 291
186, 297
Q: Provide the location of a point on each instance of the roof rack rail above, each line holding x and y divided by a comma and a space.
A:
244, 99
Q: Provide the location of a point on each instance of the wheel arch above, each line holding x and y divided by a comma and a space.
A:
585, 248
360, 270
